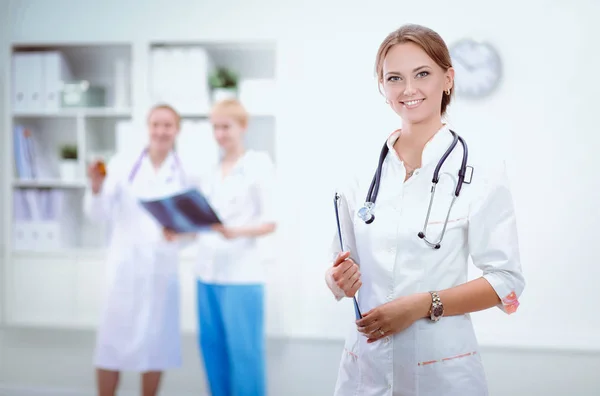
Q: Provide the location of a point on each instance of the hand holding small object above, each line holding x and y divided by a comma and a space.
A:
96, 173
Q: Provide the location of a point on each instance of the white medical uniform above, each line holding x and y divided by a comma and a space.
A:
244, 197
428, 358
139, 325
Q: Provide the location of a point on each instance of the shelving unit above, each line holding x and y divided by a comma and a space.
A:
59, 284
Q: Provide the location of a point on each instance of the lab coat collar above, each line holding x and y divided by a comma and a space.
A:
433, 149
167, 169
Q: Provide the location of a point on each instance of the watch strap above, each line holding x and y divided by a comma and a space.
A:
437, 308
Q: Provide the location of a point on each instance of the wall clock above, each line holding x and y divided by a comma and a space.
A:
477, 68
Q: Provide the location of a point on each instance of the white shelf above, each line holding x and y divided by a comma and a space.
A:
67, 253
75, 112
49, 184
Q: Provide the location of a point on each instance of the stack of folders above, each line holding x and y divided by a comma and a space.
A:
179, 77
39, 223
37, 80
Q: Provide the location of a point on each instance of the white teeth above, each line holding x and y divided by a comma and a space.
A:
413, 102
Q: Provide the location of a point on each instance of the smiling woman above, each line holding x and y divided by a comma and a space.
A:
415, 337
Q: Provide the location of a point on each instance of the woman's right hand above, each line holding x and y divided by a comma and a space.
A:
96, 175
346, 274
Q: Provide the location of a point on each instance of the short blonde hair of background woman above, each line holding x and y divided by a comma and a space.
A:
232, 108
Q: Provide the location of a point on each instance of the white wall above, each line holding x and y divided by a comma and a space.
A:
331, 109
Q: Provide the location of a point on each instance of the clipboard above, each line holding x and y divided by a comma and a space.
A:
336, 199
186, 212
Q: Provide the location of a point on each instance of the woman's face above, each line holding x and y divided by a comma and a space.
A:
414, 84
227, 131
163, 129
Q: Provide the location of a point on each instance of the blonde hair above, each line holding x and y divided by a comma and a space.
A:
164, 106
232, 108
430, 41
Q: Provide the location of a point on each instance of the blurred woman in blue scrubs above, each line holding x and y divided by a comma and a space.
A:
230, 265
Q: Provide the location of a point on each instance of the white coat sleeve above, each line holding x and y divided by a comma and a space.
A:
493, 241
98, 207
348, 237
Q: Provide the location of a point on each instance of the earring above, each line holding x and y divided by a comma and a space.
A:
448, 92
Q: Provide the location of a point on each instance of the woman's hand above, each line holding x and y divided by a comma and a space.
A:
170, 235
394, 316
346, 274
96, 173
227, 232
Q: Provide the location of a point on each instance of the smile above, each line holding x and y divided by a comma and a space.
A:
411, 104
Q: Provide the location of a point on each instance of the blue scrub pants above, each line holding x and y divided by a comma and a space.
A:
231, 338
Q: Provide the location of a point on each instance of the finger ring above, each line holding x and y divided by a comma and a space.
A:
381, 332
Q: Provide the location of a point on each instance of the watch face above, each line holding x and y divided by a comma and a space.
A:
438, 310
477, 66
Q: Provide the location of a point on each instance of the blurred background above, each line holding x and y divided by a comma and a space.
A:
528, 86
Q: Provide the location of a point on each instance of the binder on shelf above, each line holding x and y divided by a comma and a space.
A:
56, 71
39, 221
37, 80
27, 81
179, 76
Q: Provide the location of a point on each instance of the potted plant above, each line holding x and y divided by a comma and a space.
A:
223, 83
68, 162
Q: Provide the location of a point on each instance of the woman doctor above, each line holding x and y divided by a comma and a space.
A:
416, 336
230, 270
139, 327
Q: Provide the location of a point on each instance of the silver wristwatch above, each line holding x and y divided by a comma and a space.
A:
437, 308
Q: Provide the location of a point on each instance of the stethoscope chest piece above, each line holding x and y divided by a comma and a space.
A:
366, 212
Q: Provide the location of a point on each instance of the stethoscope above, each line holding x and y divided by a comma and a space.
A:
366, 212
175, 166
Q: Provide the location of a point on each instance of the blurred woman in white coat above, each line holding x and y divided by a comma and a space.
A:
231, 267
139, 327
406, 261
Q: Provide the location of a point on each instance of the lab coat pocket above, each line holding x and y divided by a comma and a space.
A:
348, 374
456, 227
351, 344
448, 360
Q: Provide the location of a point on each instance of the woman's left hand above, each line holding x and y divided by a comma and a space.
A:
227, 232
394, 316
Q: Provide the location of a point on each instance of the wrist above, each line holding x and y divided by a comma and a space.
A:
422, 305
238, 232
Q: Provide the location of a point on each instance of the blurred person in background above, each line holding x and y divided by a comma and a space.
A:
139, 326
230, 267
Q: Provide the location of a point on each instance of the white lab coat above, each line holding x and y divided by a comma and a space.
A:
139, 325
428, 358
245, 197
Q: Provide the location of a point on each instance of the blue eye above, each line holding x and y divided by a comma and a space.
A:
393, 78
423, 74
